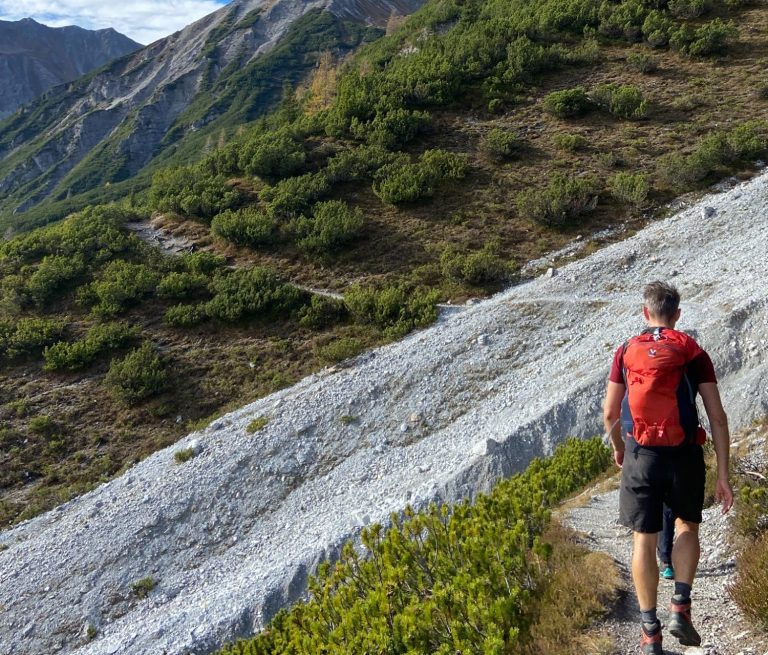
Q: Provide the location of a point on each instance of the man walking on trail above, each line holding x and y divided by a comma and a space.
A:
650, 414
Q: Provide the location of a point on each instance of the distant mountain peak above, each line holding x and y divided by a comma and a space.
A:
35, 57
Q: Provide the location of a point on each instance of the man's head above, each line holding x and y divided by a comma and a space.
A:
661, 303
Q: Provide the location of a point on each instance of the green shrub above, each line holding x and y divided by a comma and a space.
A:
202, 262
42, 426
28, 336
333, 224
257, 291
711, 38
563, 199
193, 192
622, 101
690, 8
483, 266
246, 227
138, 376
271, 156
390, 129
53, 273
120, 285
185, 315
629, 188
568, 103
339, 349
642, 63
461, 578
294, 196
658, 28
257, 424
751, 581
500, 144
570, 142
184, 455
406, 183
622, 20
322, 312
716, 151
183, 285
101, 338
358, 163
395, 310
142, 587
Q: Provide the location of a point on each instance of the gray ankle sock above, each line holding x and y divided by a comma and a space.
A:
682, 592
649, 619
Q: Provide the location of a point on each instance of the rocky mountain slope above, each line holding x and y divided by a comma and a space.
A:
230, 535
222, 70
35, 57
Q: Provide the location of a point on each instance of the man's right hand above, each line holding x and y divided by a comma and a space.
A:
724, 494
618, 457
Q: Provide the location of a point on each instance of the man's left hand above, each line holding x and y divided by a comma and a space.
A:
724, 494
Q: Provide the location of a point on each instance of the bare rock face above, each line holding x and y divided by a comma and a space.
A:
34, 58
135, 109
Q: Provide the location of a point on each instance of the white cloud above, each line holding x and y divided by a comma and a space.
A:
142, 20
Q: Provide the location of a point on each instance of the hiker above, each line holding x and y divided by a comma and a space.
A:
664, 545
650, 414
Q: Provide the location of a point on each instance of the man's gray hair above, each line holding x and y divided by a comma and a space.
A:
661, 299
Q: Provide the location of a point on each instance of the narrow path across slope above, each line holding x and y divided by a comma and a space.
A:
723, 628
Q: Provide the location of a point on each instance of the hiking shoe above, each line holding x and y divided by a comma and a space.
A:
680, 624
650, 644
668, 573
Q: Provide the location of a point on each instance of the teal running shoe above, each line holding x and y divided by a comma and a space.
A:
668, 573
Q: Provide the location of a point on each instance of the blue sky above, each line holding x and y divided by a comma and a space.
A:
142, 20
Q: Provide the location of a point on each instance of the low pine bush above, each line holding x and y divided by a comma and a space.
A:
711, 38
322, 313
339, 349
247, 226
568, 103
629, 188
621, 101
642, 63
294, 196
477, 268
120, 285
398, 183
690, 8
192, 191
396, 310
52, 274
500, 144
138, 376
253, 292
100, 339
332, 225
28, 336
184, 316
448, 579
564, 199
181, 286
569, 142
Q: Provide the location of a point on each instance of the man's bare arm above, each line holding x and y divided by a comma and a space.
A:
718, 421
611, 415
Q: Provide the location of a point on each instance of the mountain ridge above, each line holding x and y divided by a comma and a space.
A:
35, 57
130, 109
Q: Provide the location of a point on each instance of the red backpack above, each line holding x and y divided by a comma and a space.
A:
659, 406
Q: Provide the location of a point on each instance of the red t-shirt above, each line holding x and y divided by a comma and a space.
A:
700, 369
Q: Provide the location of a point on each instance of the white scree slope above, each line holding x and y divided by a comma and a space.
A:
231, 535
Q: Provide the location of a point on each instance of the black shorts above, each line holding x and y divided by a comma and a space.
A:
652, 477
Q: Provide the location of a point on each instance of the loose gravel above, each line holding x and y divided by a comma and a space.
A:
230, 536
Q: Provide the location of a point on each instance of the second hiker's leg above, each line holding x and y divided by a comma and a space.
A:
645, 571
685, 554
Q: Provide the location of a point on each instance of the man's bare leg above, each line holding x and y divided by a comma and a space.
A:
685, 554
645, 570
